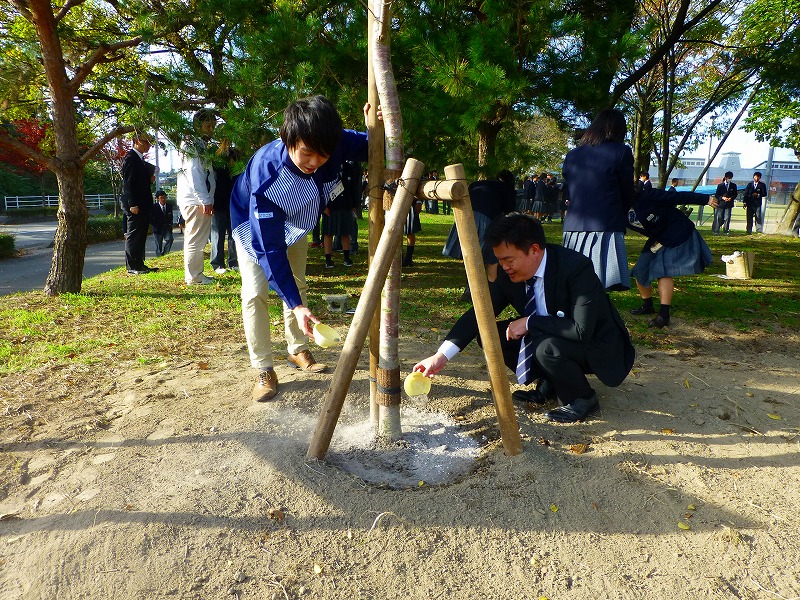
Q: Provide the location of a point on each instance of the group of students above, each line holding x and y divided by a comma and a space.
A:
567, 325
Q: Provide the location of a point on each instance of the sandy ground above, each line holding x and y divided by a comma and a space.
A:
165, 481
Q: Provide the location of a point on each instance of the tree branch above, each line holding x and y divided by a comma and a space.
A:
100, 55
674, 36
99, 144
11, 143
66, 8
23, 9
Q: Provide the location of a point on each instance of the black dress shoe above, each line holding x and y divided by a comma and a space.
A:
532, 396
150, 269
658, 322
541, 394
643, 310
577, 411
137, 272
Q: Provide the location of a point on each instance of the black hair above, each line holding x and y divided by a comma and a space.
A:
516, 229
204, 115
608, 126
757, 173
729, 174
313, 121
506, 177
161, 193
644, 174
675, 179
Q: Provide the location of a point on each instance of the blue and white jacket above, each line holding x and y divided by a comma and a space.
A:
274, 204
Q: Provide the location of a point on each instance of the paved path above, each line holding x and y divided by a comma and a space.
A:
29, 271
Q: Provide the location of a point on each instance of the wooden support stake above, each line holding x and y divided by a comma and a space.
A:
370, 296
484, 313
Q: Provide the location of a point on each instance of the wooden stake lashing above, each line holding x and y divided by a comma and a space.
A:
484, 313
370, 296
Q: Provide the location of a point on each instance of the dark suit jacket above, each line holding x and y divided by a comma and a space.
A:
136, 174
571, 287
754, 193
728, 190
159, 220
599, 180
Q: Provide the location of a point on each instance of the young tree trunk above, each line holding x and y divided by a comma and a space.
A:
69, 248
388, 376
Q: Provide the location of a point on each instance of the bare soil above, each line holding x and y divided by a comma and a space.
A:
166, 481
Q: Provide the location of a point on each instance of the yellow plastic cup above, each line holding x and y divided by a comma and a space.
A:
416, 384
326, 336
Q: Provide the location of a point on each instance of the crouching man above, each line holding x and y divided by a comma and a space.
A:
567, 326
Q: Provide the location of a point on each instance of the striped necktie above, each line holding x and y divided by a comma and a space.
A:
525, 361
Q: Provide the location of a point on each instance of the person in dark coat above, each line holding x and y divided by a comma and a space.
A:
137, 200
598, 175
161, 220
753, 193
725, 194
567, 326
490, 199
221, 217
674, 247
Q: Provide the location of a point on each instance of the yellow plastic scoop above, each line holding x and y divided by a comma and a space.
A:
325, 335
416, 384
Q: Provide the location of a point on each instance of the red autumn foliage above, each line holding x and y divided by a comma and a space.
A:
30, 132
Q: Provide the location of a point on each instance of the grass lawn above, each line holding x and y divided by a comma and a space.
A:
148, 318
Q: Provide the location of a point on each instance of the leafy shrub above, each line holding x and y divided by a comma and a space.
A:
6, 245
103, 229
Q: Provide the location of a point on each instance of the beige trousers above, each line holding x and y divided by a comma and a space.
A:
195, 238
255, 309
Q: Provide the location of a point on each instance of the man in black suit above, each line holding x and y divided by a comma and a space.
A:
726, 194
161, 220
568, 326
137, 200
753, 194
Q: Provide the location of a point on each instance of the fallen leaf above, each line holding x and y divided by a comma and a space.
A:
668, 431
317, 569
202, 366
553, 508
690, 507
129, 507
694, 405
684, 526
595, 506
686, 384
749, 394
421, 483
774, 416
276, 513
435, 329
544, 442
579, 448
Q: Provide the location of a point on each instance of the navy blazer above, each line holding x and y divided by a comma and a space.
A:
754, 193
159, 220
136, 175
571, 288
600, 187
726, 190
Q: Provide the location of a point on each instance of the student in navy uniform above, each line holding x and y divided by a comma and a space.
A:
753, 193
725, 195
161, 220
598, 175
274, 204
673, 248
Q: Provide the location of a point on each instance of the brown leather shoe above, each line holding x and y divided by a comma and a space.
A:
266, 386
305, 362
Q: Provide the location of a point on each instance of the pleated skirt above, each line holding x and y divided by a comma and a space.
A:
690, 258
606, 250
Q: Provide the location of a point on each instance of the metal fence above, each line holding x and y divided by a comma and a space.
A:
93, 201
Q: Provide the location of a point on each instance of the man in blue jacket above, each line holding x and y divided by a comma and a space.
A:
274, 204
